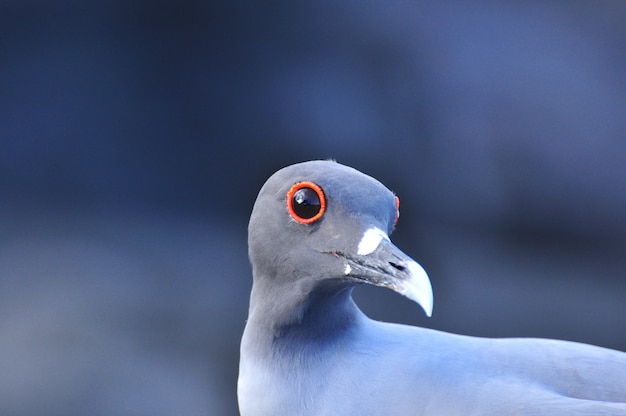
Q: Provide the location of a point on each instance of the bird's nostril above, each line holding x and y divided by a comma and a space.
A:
397, 266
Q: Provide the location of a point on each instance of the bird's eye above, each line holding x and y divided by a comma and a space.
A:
395, 221
306, 202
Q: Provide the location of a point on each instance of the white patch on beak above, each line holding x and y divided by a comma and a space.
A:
347, 270
418, 287
370, 240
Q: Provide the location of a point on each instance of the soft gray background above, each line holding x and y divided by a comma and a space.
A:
135, 136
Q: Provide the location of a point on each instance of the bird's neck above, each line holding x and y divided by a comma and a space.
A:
308, 311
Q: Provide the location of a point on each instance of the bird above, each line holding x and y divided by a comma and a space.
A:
318, 229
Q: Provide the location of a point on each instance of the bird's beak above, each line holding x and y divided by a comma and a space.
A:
387, 266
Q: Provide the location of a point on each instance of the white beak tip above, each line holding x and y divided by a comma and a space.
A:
418, 288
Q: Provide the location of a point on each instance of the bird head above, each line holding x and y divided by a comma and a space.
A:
322, 224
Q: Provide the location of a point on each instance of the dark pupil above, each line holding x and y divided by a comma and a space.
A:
306, 203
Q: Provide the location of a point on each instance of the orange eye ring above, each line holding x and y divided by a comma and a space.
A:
395, 221
306, 202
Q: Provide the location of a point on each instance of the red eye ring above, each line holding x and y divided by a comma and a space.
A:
395, 221
306, 202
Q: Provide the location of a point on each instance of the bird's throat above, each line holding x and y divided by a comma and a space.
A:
322, 314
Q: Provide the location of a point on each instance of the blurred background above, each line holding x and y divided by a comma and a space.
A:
134, 137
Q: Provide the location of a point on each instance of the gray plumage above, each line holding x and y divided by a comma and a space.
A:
308, 350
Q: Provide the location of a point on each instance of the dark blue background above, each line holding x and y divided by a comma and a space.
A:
135, 136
